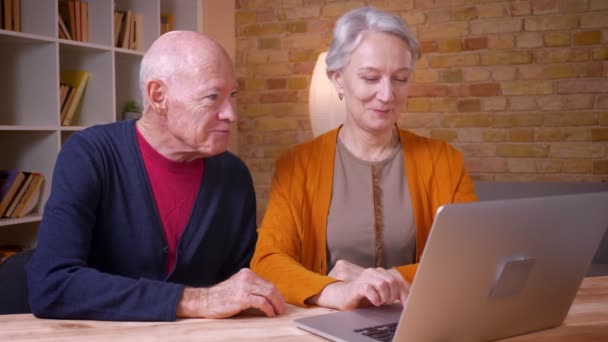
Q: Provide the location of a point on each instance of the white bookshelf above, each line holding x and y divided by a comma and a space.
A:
31, 60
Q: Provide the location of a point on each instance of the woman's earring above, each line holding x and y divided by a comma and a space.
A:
340, 96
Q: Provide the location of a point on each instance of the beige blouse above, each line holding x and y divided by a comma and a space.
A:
350, 224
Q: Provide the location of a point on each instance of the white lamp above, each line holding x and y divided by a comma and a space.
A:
326, 110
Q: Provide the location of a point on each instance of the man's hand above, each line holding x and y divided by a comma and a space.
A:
346, 271
242, 291
375, 286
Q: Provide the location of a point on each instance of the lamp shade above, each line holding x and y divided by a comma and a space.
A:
326, 110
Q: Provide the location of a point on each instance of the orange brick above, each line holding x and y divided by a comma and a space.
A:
420, 120
558, 71
443, 105
428, 46
443, 61
548, 165
556, 39
276, 124
302, 55
298, 83
444, 134
522, 150
544, 6
476, 43
469, 105
278, 97
452, 75
521, 135
335, 9
594, 20
263, 29
527, 88
305, 68
492, 10
576, 134
503, 41
494, 135
520, 8
494, 104
454, 29
599, 134
475, 74
549, 23
414, 18
588, 37
418, 105
514, 57
577, 101
277, 56
450, 45
548, 134
518, 120
276, 83
568, 119
528, 40
467, 120
602, 102
297, 26
480, 89
243, 19
269, 43
570, 150
503, 73
428, 90
265, 16
577, 166
530, 72
522, 103
600, 167
519, 165
463, 14
476, 149
598, 5
496, 26
599, 53
592, 69
394, 6
573, 6
490, 165
470, 134
582, 86
426, 76
437, 16
561, 55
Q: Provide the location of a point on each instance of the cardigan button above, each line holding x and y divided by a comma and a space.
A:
165, 250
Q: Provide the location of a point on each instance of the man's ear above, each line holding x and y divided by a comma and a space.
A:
156, 90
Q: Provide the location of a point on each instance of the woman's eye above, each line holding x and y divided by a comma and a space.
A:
233, 94
370, 79
402, 79
212, 97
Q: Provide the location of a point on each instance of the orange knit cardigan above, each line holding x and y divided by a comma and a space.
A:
291, 247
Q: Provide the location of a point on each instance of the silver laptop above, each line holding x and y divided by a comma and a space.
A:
490, 270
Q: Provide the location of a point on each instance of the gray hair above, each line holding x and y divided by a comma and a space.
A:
349, 32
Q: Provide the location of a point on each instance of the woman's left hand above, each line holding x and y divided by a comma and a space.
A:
345, 271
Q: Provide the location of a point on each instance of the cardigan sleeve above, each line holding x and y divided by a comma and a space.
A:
278, 255
61, 284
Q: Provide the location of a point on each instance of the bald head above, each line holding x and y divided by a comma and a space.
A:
179, 53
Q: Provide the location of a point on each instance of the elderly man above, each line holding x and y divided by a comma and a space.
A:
147, 219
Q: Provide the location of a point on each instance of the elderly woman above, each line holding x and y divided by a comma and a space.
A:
350, 212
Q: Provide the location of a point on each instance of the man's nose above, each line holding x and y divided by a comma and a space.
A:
228, 111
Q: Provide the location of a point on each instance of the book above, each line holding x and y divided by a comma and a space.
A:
8, 14
65, 19
166, 23
84, 21
15, 200
6, 179
31, 197
77, 79
69, 97
17, 15
15, 180
64, 32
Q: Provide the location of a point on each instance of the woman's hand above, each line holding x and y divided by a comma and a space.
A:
346, 271
375, 286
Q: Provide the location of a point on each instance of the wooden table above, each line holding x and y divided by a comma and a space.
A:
586, 321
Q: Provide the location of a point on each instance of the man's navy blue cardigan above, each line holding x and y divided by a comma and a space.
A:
101, 250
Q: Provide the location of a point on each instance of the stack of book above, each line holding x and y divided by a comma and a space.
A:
73, 20
19, 192
128, 30
72, 85
10, 15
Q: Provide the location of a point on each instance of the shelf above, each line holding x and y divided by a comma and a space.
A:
26, 219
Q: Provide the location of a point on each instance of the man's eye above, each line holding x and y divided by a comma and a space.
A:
370, 79
402, 79
233, 94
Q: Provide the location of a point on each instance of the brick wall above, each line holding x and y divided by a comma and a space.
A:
520, 87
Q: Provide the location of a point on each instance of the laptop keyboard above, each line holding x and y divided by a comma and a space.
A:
383, 332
